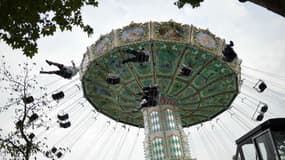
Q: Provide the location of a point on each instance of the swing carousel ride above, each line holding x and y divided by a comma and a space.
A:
192, 79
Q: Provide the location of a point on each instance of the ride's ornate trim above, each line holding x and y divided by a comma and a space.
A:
158, 31
170, 44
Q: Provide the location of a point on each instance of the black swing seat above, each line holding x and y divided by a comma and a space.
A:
151, 95
150, 88
33, 117
260, 117
28, 100
48, 154
141, 58
19, 124
260, 86
53, 149
63, 117
152, 103
229, 54
65, 124
186, 71
32, 135
58, 95
264, 108
151, 91
59, 154
113, 79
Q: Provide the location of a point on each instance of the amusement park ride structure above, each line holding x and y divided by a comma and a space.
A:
186, 77
264, 142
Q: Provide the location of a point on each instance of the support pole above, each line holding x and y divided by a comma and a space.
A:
164, 135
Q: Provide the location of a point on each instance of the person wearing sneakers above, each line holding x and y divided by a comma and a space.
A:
66, 72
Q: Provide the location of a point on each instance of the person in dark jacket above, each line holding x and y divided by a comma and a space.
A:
229, 53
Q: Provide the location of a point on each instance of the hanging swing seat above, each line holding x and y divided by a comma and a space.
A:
260, 86
32, 135
141, 58
63, 117
264, 108
150, 94
261, 109
228, 53
59, 154
185, 71
113, 79
260, 117
65, 124
48, 154
33, 117
53, 149
19, 124
58, 96
28, 100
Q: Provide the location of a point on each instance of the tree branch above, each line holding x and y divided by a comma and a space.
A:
28, 142
13, 145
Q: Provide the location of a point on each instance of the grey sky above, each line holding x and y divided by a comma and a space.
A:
259, 39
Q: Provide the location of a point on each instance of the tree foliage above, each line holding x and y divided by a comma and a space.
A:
22, 142
193, 3
23, 22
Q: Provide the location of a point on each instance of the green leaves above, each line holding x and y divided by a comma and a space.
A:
88, 30
22, 23
193, 3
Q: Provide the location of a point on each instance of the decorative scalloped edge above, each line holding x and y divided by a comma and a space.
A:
157, 36
145, 37
219, 42
151, 36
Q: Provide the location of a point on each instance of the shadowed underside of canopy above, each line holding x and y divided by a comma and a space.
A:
207, 92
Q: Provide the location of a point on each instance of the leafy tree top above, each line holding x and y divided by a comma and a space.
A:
23, 22
193, 3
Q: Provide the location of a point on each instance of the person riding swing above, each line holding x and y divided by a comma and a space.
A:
141, 56
66, 72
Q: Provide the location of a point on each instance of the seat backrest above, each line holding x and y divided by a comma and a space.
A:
59, 154
229, 54
186, 71
142, 58
58, 95
63, 117
33, 117
113, 80
262, 86
28, 100
65, 125
53, 149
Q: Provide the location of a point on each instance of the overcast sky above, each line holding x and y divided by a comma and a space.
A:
259, 39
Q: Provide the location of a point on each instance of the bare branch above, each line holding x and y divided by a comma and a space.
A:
13, 145
20, 142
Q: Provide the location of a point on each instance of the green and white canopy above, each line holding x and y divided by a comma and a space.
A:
209, 91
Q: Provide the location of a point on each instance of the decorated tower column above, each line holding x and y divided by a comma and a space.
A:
164, 135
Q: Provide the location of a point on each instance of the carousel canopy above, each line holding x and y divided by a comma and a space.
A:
204, 93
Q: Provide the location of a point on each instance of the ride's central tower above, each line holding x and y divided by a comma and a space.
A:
164, 135
196, 81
